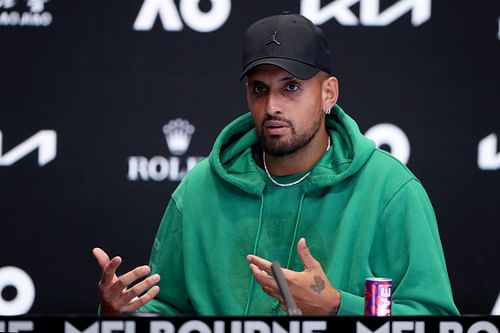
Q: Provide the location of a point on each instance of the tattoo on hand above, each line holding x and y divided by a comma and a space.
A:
318, 285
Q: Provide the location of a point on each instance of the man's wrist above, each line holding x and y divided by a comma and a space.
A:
335, 309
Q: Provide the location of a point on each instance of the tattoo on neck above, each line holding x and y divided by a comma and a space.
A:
318, 285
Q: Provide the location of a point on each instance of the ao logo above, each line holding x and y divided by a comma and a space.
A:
25, 291
392, 136
369, 13
488, 158
190, 11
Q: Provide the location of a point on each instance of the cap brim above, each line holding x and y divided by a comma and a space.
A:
298, 69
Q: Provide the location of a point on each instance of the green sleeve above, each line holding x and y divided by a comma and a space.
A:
407, 248
350, 304
167, 260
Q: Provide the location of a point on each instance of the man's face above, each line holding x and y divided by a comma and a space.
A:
286, 111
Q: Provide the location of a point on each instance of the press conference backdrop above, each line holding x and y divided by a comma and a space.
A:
105, 105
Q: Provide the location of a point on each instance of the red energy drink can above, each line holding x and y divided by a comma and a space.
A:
378, 297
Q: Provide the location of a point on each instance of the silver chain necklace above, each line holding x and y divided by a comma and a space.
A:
294, 182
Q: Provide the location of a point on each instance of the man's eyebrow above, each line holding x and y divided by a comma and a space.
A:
254, 82
288, 78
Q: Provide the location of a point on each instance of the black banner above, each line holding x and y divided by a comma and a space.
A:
77, 324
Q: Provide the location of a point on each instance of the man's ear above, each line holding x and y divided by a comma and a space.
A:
329, 93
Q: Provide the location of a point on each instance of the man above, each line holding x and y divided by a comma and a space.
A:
295, 168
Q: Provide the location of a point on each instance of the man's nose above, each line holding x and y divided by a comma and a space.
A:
274, 103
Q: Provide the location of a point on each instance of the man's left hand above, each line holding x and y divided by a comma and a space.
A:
310, 288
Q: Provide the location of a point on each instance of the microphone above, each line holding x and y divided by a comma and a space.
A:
291, 307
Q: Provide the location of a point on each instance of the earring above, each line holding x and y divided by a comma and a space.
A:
327, 111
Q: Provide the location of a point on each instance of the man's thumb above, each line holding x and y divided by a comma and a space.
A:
305, 255
101, 257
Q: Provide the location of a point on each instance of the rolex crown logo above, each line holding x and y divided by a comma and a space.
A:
178, 133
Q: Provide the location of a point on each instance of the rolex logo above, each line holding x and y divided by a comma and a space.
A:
178, 133
174, 166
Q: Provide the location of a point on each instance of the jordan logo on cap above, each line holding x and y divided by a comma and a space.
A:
272, 39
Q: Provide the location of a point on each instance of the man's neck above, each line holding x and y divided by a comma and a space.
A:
302, 160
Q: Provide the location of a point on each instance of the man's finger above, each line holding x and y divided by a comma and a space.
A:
101, 257
305, 255
109, 271
129, 277
283, 306
140, 301
140, 287
135, 274
273, 293
259, 262
262, 277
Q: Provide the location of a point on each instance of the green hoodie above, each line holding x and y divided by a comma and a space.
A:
362, 212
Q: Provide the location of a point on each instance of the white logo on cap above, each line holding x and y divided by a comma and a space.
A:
272, 39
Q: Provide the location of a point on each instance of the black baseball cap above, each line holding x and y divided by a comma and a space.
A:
289, 41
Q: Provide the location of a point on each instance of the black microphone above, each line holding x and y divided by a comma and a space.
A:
291, 307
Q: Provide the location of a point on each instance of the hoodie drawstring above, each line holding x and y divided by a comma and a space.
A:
257, 238
297, 223
292, 245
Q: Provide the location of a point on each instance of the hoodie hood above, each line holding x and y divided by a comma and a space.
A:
231, 157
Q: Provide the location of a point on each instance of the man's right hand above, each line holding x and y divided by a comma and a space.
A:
116, 293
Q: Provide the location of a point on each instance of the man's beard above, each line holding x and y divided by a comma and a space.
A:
283, 146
